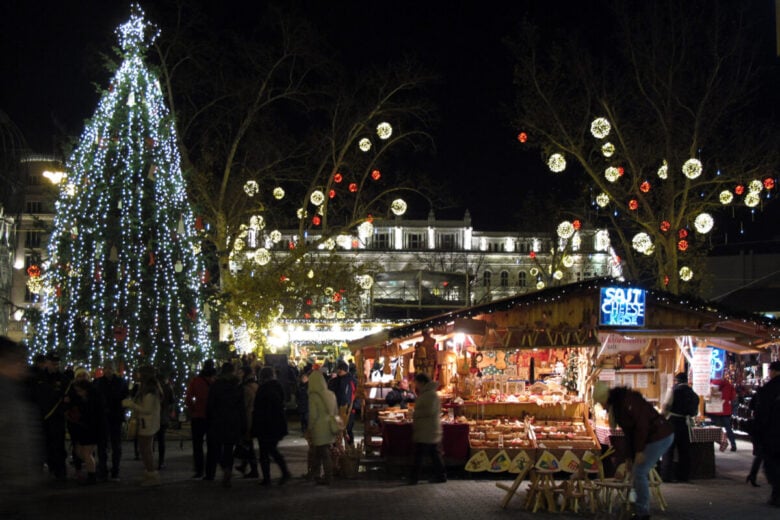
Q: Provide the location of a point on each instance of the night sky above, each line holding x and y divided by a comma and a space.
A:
50, 61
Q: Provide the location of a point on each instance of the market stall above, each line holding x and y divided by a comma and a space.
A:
509, 367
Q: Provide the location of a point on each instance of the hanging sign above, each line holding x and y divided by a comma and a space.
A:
701, 364
622, 307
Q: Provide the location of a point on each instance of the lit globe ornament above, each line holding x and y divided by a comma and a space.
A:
317, 197
686, 273
384, 130
239, 244
365, 144
752, 199
612, 174
726, 197
329, 244
534, 271
600, 128
365, 282
365, 230
692, 168
275, 236
262, 256
257, 222
301, 213
608, 149
565, 229
278, 193
567, 261
642, 242
70, 189
556, 162
663, 170
539, 285
703, 223
251, 188
602, 199
755, 186
398, 207
558, 274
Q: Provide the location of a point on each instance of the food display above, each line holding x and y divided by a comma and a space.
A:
498, 433
542, 394
563, 434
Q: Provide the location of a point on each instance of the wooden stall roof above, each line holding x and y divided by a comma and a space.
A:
568, 316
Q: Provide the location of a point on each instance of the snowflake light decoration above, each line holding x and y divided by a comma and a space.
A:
384, 130
726, 197
317, 197
278, 193
251, 188
600, 128
692, 168
663, 170
262, 256
602, 199
752, 199
556, 162
275, 236
686, 273
364, 144
608, 149
703, 223
612, 174
565, 229
642, 242
398, 207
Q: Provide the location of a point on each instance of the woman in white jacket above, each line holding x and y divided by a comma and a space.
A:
322, 411
146, 409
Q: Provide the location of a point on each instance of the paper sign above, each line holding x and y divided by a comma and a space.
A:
607, 374
702, 357
642, 380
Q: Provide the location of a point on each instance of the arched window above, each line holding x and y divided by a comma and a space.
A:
486, 276
522, 280
504, 279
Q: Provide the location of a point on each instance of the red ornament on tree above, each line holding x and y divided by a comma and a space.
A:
291, 245
332, 194
621, 171
532, 254
337, 178
33, 271
316, 220
682, 245
353, 187
309, 301
576, 224
644, 187
633, 204
336, 297
199, 223
307, 315
739, 190
666, 279
376, 175
683, 233
665, 226
522, 137
769, 183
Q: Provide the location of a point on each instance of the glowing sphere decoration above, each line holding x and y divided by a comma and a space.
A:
365, 230
257, 222
384, 130
600, 128
251, 188
337, 178
682, 245
686, 273
644, 187
262, 256
316, 220
769, 183
752, 199
565, 229
703, 223
577, 224
602, 199
275, 236
534, 271
364, 144
692, 168
522, 137
663, 171
558, 274
539, 285
739, 189
611, 174
556, 162
633, 204
608, 149
621, 170
365, 281
329, 244
642, 242
665, 226
353, 187
567, 261
726, 197
376, 175
278, 193
302, 213
398, 207
682, 233
317, 197
755, 186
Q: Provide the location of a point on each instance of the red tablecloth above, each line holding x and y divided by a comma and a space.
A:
397, 441
700, 434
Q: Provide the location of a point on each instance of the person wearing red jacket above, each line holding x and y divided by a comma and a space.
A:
196, 399
723, 418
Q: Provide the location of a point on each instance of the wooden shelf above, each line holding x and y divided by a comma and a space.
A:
635, 370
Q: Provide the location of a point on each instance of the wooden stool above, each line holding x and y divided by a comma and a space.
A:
511, 490
655, 482
542, 491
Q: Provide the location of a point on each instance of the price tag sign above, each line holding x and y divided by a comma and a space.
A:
701, 365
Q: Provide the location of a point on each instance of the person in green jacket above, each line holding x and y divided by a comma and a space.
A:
322, 412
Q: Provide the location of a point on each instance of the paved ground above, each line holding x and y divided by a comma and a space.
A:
375, 495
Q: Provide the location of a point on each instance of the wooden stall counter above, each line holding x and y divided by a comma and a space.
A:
398, 446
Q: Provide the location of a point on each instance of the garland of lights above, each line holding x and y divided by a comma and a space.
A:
123, 278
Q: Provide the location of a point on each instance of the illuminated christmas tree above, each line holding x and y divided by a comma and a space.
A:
123, 278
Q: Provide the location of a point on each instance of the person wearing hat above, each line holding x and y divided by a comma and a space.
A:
647, 433
680, 409
344, 385
767, 429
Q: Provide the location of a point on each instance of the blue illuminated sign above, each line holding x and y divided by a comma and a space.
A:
621, 306
717, 363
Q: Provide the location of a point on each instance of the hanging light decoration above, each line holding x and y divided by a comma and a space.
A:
364, 144
353, 187
251, 188
257, 222
365, 230
607, 149
329, 244
278, 193
686, 273
376, 175
682, 245
665, 226
752, 199
275, 236
539, 285
602, 199
726, 197
522, 137
612, 174
663, 170
703, 223
769, 183
337, 178
755, 186
633, 204
600, 128
739, 189
558, 274
692, 168
384, 130
644, 187
317, 197
682, 233
262, 256
398, 207
641, 242
556, 162
332, 194
365, 282
565, 229
316, 220
534, 271
302, 213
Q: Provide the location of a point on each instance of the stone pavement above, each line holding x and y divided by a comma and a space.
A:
374, 495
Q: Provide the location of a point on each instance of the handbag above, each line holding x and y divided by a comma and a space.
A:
132, 428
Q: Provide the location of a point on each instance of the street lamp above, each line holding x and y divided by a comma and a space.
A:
54, 176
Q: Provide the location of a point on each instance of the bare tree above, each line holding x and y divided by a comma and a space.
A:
660, 112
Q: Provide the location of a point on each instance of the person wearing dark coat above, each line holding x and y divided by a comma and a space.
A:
681, 409
302, 398
648, 436
767, 429
400, 395
344, 385
113, 389
269, 424
86, 418
49, 391
226, 419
